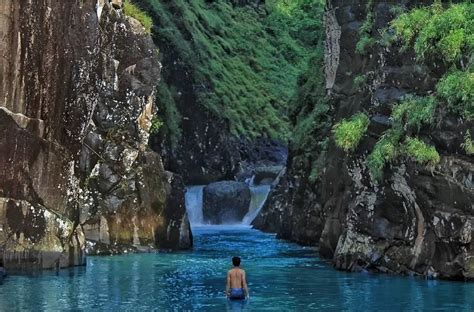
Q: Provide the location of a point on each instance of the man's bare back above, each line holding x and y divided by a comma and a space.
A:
236, 287
236, 276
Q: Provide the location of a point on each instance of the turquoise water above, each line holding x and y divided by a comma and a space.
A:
282, 277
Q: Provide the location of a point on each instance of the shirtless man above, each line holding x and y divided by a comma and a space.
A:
236, 287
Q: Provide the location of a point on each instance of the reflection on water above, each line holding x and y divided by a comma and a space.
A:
282, 277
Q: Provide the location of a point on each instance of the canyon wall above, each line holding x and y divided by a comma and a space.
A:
414, 220
77, 81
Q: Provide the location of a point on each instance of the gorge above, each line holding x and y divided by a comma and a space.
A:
304, 135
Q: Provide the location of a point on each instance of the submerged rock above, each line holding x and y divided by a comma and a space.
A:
226, 202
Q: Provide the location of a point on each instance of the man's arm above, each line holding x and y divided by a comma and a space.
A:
244, 284
227, 286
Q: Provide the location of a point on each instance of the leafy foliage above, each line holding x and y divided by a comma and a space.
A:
244, 60
156, 124
421, 152
415, 112
385, 151
349, 132
360, 81
310, 114
435, 31
167, 110
468, 144
132, 10
366, 40
457, 90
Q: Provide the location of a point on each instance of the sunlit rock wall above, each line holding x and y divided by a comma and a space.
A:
76, 101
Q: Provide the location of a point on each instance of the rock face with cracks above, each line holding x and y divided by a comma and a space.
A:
76, 101
414, 221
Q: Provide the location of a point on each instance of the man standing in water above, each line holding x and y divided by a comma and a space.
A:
236, 288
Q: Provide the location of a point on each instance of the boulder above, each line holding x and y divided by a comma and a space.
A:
226, 202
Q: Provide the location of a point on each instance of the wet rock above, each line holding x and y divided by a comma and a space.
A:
226, 202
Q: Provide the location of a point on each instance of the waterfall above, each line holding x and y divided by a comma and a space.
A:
193, 202
259, 196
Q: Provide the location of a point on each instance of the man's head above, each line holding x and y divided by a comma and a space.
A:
236, 261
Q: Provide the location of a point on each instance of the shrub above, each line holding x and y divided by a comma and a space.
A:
364, 43
421, 152
457, 90
415, 112
386, 150
360, 81
365, 39
348, 133
135, 12
468, 144
156, 124
436, 31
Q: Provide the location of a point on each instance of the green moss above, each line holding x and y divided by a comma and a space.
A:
468, 144
349, 132
456, 89
132, 10
421, 152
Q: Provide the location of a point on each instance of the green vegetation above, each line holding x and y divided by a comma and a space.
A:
360, 81
310, 113
468, 144
410, 115
456, 89
132, 10
243, 60
156, 124
414, 112
438, 32
168, 111
421, 152
349, 132
365, 32
386, 150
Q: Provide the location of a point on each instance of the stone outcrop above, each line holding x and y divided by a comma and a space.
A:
76, 103
226, 202
414, 221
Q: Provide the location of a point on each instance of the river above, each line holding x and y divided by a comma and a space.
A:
282, 277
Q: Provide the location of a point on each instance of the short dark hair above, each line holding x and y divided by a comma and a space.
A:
236, 261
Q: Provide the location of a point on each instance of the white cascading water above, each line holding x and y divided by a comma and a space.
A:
194, 203
259, 196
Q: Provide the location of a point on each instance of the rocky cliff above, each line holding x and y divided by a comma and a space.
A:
409, 218
77, 84
223, 83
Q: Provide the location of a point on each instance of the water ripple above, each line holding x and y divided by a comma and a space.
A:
282, 277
